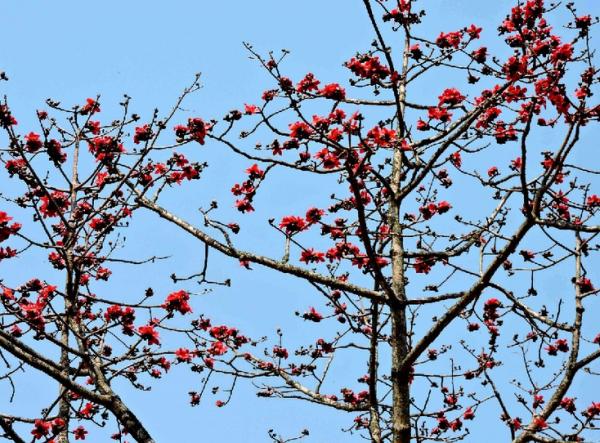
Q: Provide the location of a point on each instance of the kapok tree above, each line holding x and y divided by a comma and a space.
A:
443, 207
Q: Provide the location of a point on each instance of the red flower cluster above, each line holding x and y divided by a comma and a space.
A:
515, 68
6, 231
248, 189
381, 137
177, 301
449, 40
91, 107
293, 224
148, 333
125, 315
307, 84
33, 143
431, 209
54, 204
55, 152
368, 67
559, 345
300, 130
333, 91
311, 256
105, 149
312, 315
196, 129
330, 159
450, 97
43, 428
6, 118
142, 134
585, 285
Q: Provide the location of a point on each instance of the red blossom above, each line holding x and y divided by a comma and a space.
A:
292, 224
41, 428
91, 107
149, 334
333, 91
312, 315
80, 433
450, 97
183, 355
178, 301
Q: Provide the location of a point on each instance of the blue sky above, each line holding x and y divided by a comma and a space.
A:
70, 50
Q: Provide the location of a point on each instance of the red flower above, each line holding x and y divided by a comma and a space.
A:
585, 285
382, 137
80, 433
562, 53
251, 109
93, 127
312, 315
105, 148
33, 142
415, 51
54, 204
308, 83
422, 125
197, 129
150, 334
333, 91
280, 352
456, 159
177, 301
87, 410
255, 172
244, 205
142, 134
583, 22
368, 67
58, 424
41, 428
516, 164
568, 404
311, 256
423, 265
492, 303
6, 118
562, 345
330, 160
474, 31
538, 400
539, 423
313, 215
91, 107
443, 207
428, 211
468, 414
103, 273
440, 114
451, 97
592, 410
515, 68
449, 40
300, 130
183, 355
218, 348
593, 201
292, 224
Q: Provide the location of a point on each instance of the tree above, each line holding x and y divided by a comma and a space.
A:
417, 283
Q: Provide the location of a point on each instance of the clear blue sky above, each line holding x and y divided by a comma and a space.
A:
69, 50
